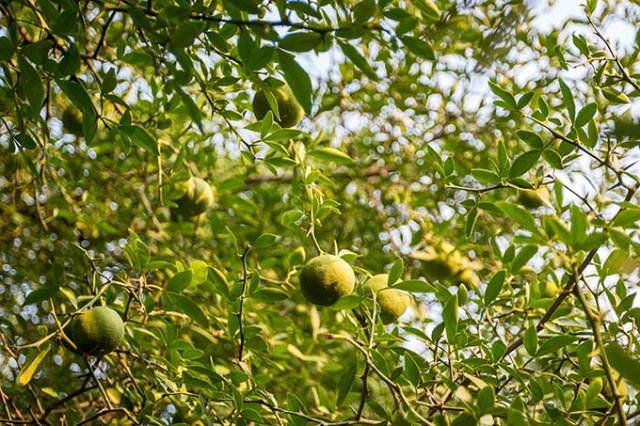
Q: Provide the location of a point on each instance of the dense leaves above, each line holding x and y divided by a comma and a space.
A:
482, 154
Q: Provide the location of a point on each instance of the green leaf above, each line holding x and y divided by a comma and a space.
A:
627, 365
627, 218
266, 240
359, 60
555, 343
486, 398
485, 176
524, 162
346, 380
495, 286
530, 340
30, 368
301, 41
395, 272
523, 256
519, 215
139, 136
419, 47
30, 86
185, 33
269, 295
331, 154
586, 114
569, 103
531, 138
450, 318
504, 95
415, 286
180, 281
188, 306
428, 7
297, 79
40, 294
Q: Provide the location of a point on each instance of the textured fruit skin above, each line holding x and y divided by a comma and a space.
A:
326, 278
97, 331
393, 303
377, 282
72, 121
533, 198
469, 279
550, 289
195, 201
291, 113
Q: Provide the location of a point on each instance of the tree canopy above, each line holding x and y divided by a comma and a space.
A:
330, 212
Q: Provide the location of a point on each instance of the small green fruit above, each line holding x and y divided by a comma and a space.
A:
533, 198
198, 197
72, 121
550, 289
97, 331
393, 303
377, 283
291, 113
469, 278
326, 278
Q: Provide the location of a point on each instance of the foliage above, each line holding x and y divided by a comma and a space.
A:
425, 122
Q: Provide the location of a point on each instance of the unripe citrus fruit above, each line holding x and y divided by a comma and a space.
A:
326, 278
469, 278
72, 121
393, 303
533, 198
198, 197
550, 289
97, 331
291, 113
377, 282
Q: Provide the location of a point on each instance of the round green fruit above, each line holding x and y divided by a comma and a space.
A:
198, 197
533, 198
72, 121
377, 283
97, 331
393, 303
326, 278
291, 113
550, 289
469, 278
440, 267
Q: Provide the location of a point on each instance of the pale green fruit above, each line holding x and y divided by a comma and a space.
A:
393, 303
72, 121
198, 197
533, 198
291, 113
326, 278
97, 331
550, 289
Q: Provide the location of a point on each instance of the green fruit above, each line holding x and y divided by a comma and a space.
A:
393, 303
550, 289
72, 121
440, 267
533, 198
198, 197
97, 331
469, 278
376, 283
291, 113
326, 278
